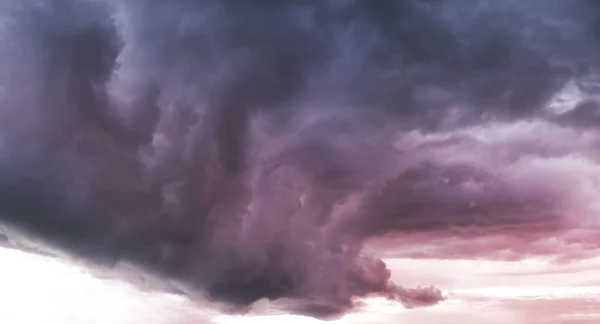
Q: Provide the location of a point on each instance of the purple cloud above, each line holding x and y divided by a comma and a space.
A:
251, 150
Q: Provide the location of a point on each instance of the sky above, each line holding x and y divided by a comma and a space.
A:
42, 289
344, 160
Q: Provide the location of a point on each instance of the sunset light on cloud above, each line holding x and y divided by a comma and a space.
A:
348, 161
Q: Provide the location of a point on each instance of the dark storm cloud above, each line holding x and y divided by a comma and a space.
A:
434, 197
585, 114
250, 148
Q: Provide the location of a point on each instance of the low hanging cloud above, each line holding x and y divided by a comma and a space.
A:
251, 149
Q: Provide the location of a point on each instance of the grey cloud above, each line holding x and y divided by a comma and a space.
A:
248, 148
586, 114
434, 197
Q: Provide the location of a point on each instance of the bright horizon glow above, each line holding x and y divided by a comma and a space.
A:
43, 290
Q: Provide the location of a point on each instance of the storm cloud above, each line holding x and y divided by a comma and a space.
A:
251, 149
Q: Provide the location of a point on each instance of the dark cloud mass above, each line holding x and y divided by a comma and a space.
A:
252, 148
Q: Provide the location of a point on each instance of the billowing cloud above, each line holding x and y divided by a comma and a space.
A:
251, 149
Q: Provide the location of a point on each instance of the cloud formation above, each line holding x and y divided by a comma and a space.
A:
251, 149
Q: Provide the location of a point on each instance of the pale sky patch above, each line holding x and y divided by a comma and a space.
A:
42, 290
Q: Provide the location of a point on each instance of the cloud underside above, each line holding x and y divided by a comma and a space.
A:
252, 149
